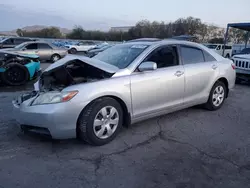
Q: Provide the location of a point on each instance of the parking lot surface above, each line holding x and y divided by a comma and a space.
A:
189, 148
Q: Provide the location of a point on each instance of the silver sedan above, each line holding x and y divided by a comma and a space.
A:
92, 98
45, 51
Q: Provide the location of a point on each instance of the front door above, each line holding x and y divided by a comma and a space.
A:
30, 49
163, 88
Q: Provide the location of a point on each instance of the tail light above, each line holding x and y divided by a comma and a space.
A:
233, 66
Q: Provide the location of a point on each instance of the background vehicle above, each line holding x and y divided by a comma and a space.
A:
218, 48
244, 51
93, 97
95, 51
17, 69
82, 46
11, 42
45, 51
242, 62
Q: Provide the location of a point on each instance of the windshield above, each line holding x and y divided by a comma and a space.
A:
2, 39
211, 46
121, 55
246, 50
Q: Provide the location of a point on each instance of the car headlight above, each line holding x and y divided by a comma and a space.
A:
54, 97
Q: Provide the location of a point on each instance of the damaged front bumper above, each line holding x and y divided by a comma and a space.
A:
57, 120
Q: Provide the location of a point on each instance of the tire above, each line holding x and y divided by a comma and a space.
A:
15, 74
73, 51
215, 102
55, 57
88, 132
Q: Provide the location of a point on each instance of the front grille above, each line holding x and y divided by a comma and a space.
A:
242, 63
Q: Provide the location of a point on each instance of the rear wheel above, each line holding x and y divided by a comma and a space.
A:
100, 122
55, 57
73, 51
15, 74
217, 96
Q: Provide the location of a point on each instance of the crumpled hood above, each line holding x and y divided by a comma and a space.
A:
91, 61
243, 56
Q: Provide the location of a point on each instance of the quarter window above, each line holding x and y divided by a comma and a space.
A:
191, 55
208, 57
164, 56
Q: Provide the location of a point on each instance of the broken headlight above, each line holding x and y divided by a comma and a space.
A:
54, 97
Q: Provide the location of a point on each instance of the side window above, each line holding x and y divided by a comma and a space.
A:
208, 57
9, 41
31, 46
191, 55
43, 46
18, 41
164, 56
228, 47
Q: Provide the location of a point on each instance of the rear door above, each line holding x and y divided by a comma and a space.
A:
201, 69
157, 90
45, 51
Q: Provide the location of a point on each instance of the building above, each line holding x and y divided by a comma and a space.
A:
121, 29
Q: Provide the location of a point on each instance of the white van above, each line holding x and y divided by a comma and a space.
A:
218, 48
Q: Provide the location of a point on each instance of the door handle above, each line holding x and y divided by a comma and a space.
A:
214, 67
179, 73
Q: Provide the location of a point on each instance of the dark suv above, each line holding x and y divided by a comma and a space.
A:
11, 42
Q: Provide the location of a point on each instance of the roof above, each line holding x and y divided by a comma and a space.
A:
242, 26
183, 37
145, 40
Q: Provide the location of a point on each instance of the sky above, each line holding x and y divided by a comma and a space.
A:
101, 14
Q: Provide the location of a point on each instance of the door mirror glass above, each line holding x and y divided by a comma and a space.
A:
147, 66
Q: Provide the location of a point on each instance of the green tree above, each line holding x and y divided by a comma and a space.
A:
19, 32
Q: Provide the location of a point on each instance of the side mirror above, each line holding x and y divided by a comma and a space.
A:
147, 66
23, 49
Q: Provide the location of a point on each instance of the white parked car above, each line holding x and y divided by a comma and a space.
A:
218, 48
242, 64
82, 46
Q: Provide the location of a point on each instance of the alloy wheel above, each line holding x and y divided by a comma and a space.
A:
218, 96
106, 122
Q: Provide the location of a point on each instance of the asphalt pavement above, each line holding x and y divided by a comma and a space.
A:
186, 149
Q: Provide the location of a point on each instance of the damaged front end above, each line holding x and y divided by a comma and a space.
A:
66, 72
73, 71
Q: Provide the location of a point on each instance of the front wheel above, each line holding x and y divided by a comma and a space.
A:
227, 56
217, 96
15, 74
73, 51
100, 122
